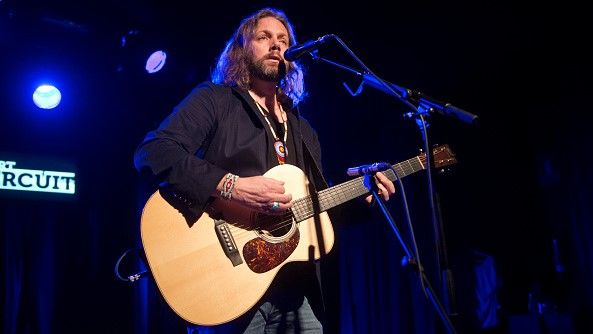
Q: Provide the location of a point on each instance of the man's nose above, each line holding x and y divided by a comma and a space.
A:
275, 45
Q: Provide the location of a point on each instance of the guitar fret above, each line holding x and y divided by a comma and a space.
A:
420, 162
296, 209
410, 164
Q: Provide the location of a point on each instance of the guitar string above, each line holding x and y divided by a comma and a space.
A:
309, 212
302, 209
400, 168
297, 205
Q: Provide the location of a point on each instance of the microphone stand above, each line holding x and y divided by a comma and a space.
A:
409, 259
446, 276
422, 106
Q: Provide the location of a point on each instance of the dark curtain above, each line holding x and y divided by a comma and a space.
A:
575, 227
377, 294
57, 264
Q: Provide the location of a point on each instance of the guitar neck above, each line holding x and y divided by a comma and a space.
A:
304, 208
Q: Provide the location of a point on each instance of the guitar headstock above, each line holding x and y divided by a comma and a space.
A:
442, 156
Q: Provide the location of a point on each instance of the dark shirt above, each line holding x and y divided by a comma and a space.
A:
216, 130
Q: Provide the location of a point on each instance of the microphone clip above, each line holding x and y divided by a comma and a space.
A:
368, 169
358, 90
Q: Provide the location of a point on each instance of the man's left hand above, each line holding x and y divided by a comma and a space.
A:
386, 187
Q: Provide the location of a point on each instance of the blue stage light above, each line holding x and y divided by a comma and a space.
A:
47, 97
156, 61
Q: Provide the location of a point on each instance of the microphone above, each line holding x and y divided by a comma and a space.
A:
297, 51
368, 169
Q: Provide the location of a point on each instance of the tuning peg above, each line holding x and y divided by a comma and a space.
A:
445, 171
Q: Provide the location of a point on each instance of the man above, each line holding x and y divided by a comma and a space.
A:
226, 134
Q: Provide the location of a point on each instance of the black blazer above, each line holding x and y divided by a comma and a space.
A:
215, 130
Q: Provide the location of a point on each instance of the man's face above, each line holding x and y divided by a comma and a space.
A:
267, 48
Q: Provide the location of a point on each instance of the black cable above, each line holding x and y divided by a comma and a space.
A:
130, 278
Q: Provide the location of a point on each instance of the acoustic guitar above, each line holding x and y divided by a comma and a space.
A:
215, 269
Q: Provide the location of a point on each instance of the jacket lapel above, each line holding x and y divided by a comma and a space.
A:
248, 101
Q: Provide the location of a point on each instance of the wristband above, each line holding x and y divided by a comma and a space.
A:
228, 185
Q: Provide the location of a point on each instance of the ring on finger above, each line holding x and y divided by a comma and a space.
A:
275, 206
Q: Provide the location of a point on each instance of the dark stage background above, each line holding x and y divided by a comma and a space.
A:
523, 182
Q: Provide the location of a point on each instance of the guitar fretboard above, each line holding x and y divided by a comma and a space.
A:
304, 208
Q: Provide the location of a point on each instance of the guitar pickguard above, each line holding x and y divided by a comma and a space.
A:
262, 256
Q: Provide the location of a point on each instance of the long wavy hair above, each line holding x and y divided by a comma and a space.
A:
232, 67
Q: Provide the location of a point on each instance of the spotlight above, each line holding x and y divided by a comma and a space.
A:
47, 97
156, 61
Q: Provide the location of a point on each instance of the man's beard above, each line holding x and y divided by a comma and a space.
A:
266, 72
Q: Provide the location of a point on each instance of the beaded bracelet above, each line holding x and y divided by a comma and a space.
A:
228, 185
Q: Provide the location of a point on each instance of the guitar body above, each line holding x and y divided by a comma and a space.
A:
201, 282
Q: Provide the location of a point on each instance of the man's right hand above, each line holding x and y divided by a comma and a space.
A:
259, 193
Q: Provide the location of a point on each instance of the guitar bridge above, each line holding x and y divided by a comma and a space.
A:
227, 242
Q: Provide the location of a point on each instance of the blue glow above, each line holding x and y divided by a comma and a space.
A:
47, 97
156, 61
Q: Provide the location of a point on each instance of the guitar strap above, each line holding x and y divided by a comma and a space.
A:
311, 167
313, 170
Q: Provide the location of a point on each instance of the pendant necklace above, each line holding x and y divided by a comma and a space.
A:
279, 145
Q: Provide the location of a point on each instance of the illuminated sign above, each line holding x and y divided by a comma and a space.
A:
12, 178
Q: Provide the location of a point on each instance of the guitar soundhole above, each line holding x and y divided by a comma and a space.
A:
275, 228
